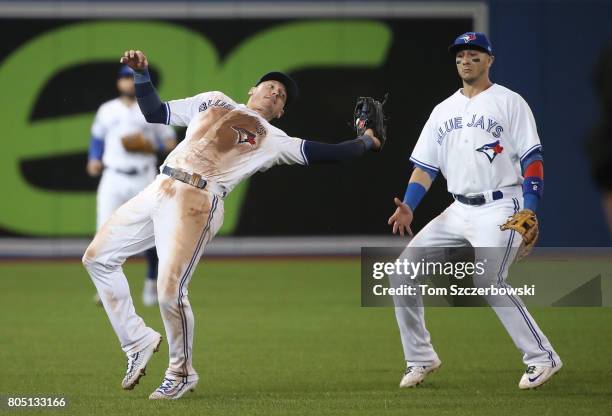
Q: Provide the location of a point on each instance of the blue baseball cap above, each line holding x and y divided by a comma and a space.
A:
471, 40
125, 71
286, 80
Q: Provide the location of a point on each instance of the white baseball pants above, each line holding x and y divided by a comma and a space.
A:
478, 226
179, 220
115, 189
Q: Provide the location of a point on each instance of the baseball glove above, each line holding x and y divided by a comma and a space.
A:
525, 223
369, 114
137, 143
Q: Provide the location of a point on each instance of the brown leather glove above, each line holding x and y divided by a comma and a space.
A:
525, 223
137, 143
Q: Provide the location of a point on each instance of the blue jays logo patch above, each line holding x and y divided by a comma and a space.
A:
491, 150
468, 37
244, 136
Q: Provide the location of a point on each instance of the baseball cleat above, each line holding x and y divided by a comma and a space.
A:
149, 293
173, 389
536, 375
415, 374
137, 364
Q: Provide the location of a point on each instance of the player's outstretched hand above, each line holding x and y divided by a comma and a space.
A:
135, 59
401, 218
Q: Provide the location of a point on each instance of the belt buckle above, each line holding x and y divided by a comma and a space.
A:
194, 180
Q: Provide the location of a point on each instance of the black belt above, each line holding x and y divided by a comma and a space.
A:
192, 179
479, 199
131, 172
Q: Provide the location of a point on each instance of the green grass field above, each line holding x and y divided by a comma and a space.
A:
283, 338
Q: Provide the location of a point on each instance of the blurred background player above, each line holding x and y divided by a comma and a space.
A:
124, 149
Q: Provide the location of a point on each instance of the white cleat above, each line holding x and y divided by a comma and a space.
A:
415, 374
173, 389
137, 364
536, 375
149, 292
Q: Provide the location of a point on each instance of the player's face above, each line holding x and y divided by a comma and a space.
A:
472, 65
125, 86
268, 98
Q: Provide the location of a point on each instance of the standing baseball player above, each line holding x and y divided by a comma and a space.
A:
483, 139
123, 149
182, 209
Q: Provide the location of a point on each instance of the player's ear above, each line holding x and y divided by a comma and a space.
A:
251, 91
491, 59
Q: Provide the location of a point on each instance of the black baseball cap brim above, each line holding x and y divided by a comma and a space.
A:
286, 80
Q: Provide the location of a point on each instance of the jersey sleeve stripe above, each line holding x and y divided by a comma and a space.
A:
531, 149
422, 164
167, 112
303, 153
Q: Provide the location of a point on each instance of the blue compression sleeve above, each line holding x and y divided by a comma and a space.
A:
530, 201
317, 152
149, 102
414, 193
532, 167
96, 148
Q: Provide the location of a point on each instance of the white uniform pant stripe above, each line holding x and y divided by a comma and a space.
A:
184, 279
516, 301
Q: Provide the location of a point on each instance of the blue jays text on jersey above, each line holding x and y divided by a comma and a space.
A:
477, 121
216, 103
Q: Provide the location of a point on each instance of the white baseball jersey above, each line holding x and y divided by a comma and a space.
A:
226, 142
478, 143
115, 120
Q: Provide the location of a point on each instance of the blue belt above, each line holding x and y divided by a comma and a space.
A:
476, 200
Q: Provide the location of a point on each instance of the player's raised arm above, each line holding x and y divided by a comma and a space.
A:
420, 182
149, 102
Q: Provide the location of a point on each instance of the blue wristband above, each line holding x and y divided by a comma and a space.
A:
140, 77
96, 148
414, 193
533, 188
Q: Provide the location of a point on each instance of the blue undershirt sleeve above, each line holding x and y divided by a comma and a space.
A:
317, 152
149, 102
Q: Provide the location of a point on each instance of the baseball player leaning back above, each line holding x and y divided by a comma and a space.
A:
483, 139
182, 209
